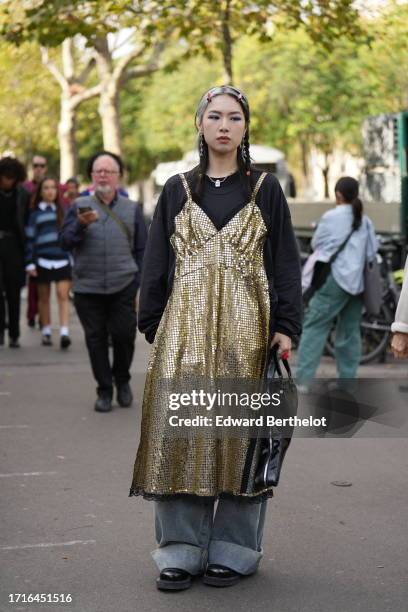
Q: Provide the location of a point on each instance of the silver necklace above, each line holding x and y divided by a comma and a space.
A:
217, 182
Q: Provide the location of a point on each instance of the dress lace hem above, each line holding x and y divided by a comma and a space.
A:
254, 499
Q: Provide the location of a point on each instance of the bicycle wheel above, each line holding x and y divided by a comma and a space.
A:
375, 334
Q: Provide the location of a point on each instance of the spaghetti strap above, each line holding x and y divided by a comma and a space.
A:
186, 187
257, 186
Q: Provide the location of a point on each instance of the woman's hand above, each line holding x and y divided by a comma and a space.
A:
399, 345
284, 345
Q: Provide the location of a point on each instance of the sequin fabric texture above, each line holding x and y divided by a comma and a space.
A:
215, 325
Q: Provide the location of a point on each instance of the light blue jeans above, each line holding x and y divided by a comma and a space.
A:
189, 535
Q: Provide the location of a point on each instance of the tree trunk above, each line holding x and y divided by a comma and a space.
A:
109, 114
66, 138
73, 93
109, 98
325, 171
227, 45
305, 164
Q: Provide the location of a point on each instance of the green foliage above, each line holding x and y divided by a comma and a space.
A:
301, 94
166, 117
29, 104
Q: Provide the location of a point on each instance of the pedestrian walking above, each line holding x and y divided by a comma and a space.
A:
346, 230
39, 169
46, 261
221, 283
399, 344
69, 192
14, 203
106, 233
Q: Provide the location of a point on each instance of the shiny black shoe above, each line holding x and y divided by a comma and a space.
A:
124, 395
65, 342
173, 579
220, 576
103, 402
14, 343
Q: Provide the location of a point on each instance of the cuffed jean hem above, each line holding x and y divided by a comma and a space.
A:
238, 558
187, 557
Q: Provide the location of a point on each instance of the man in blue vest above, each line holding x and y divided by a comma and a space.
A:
107, 234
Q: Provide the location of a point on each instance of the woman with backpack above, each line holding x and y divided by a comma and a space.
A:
347, 231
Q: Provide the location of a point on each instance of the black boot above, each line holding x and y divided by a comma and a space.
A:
103, 402
220, 576
173, 579
124, 395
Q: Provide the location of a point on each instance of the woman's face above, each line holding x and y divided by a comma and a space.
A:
7, 182
49, 191
223, 124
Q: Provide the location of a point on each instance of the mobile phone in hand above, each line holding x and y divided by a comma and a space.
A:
84, 209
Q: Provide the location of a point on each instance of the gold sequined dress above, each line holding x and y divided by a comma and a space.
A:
215, 324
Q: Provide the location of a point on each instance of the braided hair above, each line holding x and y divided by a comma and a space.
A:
243, 157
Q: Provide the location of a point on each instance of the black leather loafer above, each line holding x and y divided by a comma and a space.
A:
124, 395
103, 403
173, 579
220, 576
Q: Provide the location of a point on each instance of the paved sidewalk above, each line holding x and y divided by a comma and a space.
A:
68, 525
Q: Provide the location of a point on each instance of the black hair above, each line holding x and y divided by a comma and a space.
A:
243, 158
72, 180
348, 187
12, 168
94, 157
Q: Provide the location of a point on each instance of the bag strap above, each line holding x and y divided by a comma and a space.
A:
341, 247
107, 209
273, 364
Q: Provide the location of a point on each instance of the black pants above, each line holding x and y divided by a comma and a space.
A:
113, 314
11, 281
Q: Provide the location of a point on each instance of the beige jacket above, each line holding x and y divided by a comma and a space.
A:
401, 316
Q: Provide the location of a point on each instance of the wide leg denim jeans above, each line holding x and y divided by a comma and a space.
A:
189, 535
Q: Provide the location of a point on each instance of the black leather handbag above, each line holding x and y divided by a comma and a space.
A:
273, 447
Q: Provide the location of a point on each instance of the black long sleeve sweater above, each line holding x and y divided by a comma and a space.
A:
281, 255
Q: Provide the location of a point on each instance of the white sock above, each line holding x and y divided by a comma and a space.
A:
64, 330
46, 330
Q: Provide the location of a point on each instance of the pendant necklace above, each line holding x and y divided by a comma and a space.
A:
217, 182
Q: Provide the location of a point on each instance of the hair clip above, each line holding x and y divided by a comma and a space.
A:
209, 96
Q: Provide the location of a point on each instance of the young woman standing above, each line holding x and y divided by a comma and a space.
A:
220, 285
341, 295
46, 261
